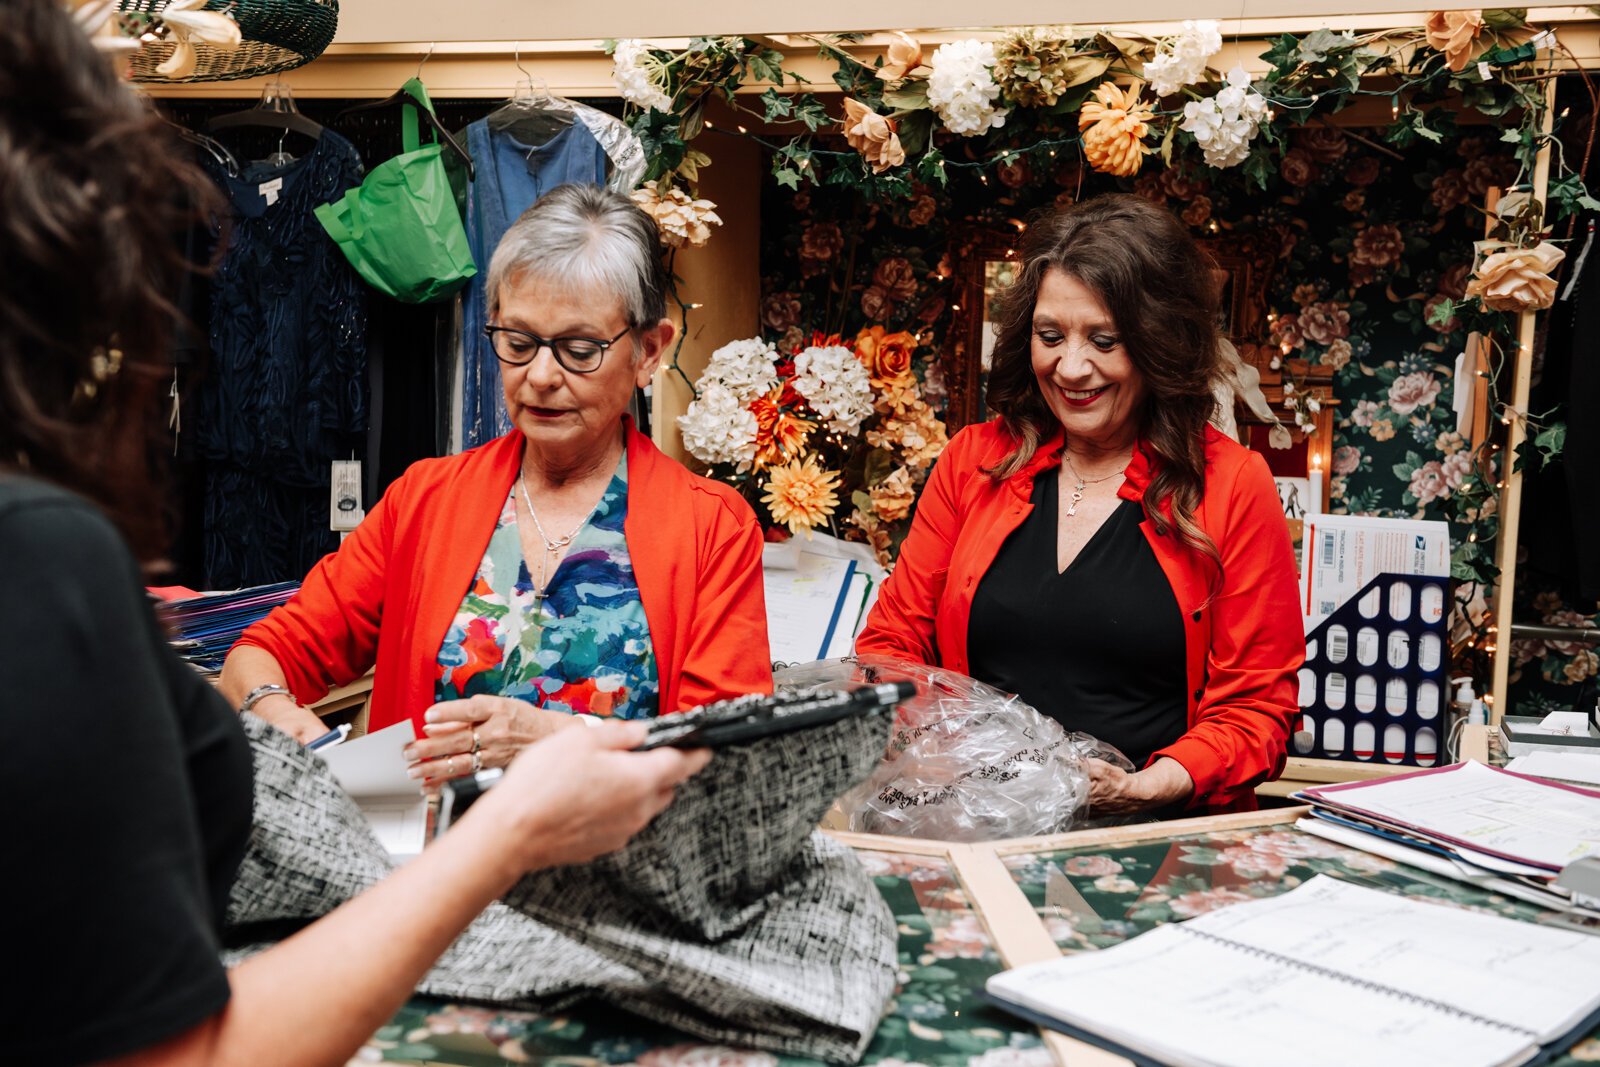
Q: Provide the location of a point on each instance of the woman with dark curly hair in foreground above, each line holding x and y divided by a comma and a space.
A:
134, 777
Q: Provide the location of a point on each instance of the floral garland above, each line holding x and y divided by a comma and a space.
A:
832, 421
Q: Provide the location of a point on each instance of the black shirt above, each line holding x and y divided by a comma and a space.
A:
1098, 647
128, 782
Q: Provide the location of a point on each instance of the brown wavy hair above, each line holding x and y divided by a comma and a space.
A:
1159, 287
95, 193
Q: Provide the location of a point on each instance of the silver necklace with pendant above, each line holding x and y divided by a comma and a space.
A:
1077, 490
542, 589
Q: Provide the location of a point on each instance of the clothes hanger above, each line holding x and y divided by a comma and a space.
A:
275, 110
404, 95
211, 146
533, 115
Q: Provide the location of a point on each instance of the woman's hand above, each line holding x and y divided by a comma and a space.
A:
497, 728
300, 723
581, 793
1114, 791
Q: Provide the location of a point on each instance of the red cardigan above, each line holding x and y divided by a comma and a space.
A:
1244, 647
387, 596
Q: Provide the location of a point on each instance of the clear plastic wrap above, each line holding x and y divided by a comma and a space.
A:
966, 761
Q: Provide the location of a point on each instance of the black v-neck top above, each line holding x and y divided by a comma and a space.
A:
1098, 647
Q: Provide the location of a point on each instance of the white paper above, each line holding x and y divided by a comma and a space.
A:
844, 634
373, 771
1562, 766
372, 766
1487, 810
1562, 724
1220, 1006
1342, 553
801, 604
1514, 972
1463, 384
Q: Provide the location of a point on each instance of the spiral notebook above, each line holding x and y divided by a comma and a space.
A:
1327, 975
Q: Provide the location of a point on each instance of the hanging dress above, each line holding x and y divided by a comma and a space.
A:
286, 391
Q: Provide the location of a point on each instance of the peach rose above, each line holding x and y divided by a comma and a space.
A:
1427, 483
1454, 34
872, 135
892, 498
1325, 145
886, 355
1453, 282
1355, 201
1338, 354
904, 55
897, 278
1457, 468
1325, 323
923, 210
780, 311
1378, 246
875, 302
1113, 127
1409, 392
1346, 459
1517, 279
1287, 331
1297, 167
1449, 190
1198, 211
1363, 172
821, 241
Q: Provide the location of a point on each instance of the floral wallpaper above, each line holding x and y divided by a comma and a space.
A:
1372, 241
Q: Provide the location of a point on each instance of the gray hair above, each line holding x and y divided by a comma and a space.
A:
586, 237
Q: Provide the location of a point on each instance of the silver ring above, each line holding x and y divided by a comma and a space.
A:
475, 745
477, 762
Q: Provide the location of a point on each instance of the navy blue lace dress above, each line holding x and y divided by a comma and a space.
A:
285, 393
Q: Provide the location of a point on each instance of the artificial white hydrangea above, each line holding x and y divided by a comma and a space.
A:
718, 428
632, 73
1181, 60
1224, 125
745, 368
836, 385
961, 87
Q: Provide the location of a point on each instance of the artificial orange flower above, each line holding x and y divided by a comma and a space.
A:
801, 495
887, 356
780, 433
872, 135
1114, 125
1454, 33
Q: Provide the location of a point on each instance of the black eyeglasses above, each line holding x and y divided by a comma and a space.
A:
580, 355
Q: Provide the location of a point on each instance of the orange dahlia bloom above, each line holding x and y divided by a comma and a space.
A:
801, 495
1114, 125
780, 433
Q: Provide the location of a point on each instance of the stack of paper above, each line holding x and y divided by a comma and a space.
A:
206, 626
1504, 832
818, 594
372, 770
1327, 975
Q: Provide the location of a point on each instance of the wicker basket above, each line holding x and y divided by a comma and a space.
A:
278, 35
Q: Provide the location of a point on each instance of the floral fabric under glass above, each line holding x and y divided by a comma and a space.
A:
584, 649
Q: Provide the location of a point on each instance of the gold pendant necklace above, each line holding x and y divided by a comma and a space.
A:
1077, 490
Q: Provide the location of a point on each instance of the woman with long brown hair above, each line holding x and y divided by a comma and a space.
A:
1099, 549
132, 775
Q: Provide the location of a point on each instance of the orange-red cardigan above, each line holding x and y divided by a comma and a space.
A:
390, 592
1244, 645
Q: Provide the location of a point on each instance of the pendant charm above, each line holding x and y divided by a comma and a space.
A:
1072, 507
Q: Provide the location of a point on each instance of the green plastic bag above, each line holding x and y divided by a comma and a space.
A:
400, 228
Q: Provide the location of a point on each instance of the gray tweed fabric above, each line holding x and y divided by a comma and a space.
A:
728, 917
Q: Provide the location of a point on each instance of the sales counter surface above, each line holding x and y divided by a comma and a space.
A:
963, 912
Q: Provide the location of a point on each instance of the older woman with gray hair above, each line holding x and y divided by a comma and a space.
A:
566, 569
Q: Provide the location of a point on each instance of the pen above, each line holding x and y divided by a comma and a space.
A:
332, 737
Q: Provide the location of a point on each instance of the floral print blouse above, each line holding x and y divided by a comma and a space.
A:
585, 648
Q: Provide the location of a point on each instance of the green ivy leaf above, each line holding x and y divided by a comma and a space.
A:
1506, 18
907, 98
1284, 54
1440, 313
787, 177
931, 167
809, 110
767, 65
778, 106
1550, 442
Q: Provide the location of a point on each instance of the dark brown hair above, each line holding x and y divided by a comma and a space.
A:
1158, 285
95, 192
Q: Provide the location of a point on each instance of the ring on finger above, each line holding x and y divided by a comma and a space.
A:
477, 761
475, 745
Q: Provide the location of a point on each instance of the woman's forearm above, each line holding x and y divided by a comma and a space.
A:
317, 996
248, 668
